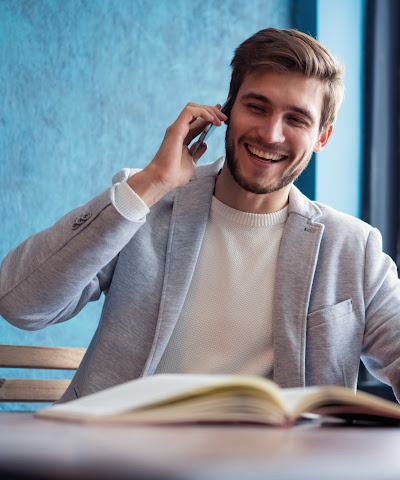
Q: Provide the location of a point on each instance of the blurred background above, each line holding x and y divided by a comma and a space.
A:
89, 87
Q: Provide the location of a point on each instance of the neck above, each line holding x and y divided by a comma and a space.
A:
232, 194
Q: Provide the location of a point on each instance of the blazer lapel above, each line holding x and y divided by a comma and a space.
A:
188, 223
298, 255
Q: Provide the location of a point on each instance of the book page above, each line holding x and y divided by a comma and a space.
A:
293, 397
338, 400
159, 389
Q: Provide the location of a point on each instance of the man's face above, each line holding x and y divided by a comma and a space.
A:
273, 130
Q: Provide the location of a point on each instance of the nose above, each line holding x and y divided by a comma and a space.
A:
272, 130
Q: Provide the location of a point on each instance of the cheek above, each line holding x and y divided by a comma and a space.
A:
237, 135
303, 142
241, 122
237, 128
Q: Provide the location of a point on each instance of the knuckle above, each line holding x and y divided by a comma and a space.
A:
173, 130
169, 130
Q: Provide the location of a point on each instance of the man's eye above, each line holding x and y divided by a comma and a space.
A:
298, 121
257, 108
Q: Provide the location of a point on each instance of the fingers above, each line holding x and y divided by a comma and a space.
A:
190, 123
207, 112
195, 128
192, 115
200, 151
207, 115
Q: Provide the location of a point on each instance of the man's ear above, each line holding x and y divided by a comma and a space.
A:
323, 139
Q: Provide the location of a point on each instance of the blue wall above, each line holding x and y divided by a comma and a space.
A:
338, 171
87, 88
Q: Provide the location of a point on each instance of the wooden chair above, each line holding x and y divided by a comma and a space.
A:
36, 390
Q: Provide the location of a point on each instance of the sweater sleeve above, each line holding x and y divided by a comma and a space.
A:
54, 273
128, 203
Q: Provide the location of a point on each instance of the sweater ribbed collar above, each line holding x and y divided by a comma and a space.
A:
247, 219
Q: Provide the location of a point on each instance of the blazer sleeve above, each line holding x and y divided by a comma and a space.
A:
381, 348
54, 273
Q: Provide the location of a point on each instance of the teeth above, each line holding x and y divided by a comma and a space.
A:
265, 155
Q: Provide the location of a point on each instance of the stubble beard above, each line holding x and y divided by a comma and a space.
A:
253, 186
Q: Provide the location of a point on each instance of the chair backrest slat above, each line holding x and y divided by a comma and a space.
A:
36, 390
31, 390
22, 356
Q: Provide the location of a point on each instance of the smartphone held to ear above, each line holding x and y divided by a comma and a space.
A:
207, 131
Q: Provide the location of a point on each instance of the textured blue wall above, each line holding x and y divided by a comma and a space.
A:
338, 179
87, 88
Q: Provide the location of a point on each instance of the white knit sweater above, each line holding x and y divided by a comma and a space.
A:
226, 322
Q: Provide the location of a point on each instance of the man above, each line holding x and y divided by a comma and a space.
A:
226, 268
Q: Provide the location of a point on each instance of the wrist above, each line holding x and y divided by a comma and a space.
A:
148, 186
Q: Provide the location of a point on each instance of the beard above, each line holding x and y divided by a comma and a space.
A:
254, 185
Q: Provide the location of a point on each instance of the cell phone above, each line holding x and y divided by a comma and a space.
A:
208, 130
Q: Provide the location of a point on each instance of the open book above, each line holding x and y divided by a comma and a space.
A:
181, 398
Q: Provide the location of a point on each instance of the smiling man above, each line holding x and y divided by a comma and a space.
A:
228, 267
273, 131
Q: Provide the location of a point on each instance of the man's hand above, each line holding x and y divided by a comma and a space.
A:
173, 166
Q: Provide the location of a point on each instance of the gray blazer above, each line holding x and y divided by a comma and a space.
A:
337, 295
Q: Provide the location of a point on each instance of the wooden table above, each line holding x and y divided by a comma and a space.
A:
33, 448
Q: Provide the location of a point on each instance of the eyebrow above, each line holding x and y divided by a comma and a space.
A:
293, 108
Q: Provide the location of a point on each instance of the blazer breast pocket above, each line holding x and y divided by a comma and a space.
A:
333, 345
330, 313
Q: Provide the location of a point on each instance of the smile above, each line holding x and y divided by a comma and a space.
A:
264, 156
